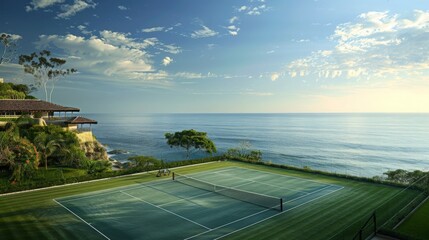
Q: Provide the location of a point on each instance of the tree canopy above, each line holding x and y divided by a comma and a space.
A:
15, 91
191, 140
46, 70
9, 43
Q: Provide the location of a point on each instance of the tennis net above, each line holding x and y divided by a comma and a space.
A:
242, 195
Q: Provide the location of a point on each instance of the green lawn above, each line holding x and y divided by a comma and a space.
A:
417, 225
34, 215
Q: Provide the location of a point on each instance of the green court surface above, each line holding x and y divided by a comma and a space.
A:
417, 225
186, 209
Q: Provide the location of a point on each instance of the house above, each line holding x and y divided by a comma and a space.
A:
47, 113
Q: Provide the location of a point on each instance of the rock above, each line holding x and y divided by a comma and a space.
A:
94, 150
118, 151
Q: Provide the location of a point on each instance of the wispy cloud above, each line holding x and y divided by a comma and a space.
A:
204, 32
253, 8
378, 45
233, 30
83, 29
123, 8
233, 19
153, 29
166, 61
275, 76
70, 10
111, 56
39, 4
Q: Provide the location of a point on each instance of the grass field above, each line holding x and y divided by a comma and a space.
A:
35, 215
417, 224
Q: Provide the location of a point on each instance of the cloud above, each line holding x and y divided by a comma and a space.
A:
14, 37
233, 19
83, 29
257, 10
204, 33
154, 29
189, 75
274, 76
166, 61
39, 4
124, 39
243, 8
77, 6
258, 94
378, 45
233, 30
301, 40
123, 8
112, 56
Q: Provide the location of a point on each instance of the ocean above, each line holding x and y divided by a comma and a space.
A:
361, 144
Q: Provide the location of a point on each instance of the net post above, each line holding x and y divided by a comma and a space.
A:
173, 176
281, 204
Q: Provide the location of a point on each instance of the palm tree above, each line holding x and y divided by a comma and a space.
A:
46, 146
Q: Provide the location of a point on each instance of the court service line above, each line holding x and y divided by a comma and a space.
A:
195, 196
205, 173
81, 219
109, 191
178, 215
250, 225
294, 199
224, 225
267, 184
287, 176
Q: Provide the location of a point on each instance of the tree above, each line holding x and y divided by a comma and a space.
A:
14, 91
46, 146
145, 163
189, 140
9, 42
16, 153
45, 69
244, 152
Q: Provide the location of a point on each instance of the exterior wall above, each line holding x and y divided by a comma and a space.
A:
85, 136
72, 127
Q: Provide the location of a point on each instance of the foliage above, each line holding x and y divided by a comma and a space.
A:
244, 152
14, 91
46, 144
191, 139
404, 176
145, 163
18, 154
57, 146
9, 43
46, 70
97, 166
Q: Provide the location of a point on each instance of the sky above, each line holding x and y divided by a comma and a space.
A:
225, 56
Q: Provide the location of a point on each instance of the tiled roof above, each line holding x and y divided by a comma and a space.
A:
80, 120
32, 105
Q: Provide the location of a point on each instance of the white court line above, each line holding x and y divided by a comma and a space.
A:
210, 172
192, 197
109, 191
267, 184
294, 199
222, 186
81, 219
178, 215
254, 214
276, 214
287, 176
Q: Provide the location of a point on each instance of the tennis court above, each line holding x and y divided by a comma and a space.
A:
204, 205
